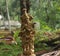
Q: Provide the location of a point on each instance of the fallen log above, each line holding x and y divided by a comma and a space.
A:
41, 52
8, 40
50, 42
53, 53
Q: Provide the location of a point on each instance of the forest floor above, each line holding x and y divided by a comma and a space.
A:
48, 53
41, 49
53, 53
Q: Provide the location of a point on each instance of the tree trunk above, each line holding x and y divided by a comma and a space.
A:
8, 15
27, 29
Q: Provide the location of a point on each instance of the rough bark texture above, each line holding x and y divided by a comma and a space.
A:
27, 30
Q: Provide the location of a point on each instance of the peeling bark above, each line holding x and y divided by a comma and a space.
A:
27, 29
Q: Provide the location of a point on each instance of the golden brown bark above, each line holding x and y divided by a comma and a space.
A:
27, 34
27, 29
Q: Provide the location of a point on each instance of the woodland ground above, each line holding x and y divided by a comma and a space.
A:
14, 50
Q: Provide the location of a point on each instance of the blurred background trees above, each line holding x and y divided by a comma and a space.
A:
47, 12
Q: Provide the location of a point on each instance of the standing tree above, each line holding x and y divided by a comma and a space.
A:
8, 15
27, 29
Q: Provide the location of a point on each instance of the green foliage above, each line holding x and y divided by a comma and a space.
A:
10, 50
16, 36
44, 26
13, 49
39, 36
47, 11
